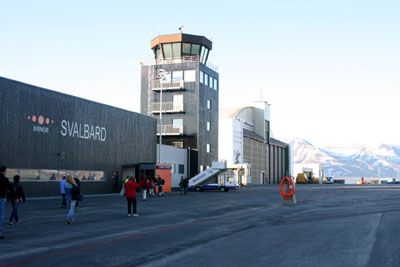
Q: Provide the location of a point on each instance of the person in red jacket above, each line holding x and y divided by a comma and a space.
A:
130, 192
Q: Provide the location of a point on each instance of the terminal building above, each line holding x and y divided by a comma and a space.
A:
45, 135
180, 89
245, 138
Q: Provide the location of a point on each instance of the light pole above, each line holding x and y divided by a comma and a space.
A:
162, 76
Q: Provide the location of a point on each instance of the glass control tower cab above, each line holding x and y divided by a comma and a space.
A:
180, 89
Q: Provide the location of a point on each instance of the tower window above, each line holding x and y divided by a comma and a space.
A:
208, 104
190, 75
208, 148
208, 126
201, 77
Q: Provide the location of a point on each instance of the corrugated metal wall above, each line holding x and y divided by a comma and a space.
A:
43, 129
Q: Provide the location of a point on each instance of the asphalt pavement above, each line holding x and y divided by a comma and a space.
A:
331, 225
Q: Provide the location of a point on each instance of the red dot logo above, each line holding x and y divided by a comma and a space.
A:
41, 120
34, 118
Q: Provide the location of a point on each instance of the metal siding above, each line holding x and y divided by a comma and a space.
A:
130, 136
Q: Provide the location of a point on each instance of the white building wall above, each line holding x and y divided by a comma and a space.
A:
231, 141
174, 156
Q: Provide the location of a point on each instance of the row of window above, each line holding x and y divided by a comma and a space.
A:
208, 80
179, 75
54, 175
179, 50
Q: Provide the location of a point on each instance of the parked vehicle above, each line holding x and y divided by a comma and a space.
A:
215, 187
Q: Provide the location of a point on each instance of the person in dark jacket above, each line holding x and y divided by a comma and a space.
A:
5, 187
78, 182
185, 184
15, 197
131, 187
72, 194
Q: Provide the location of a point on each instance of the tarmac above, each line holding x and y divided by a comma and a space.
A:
331, 225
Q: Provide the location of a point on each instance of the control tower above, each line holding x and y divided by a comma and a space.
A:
180, 89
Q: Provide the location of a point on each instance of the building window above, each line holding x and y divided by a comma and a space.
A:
201, 168
206, 79
215, 84
181, 168
176, 50
177, 123
208, 126
208, 104
211, 82
186, 48
178, 144
195, 49
190, 75
55, 175
167, 50
208, 148
177, 76
201, 77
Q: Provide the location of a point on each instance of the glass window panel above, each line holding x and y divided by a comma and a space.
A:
48, 175
177, 76
96, 176
202, 53
177, 123
29, 175
206, 79
181, 169
195, 49
186, 48
208, 104
205, 56
201, 77
159, 52
215, 84
208, 148
190, 75
167, 48
176, 50
10, 173
208, 126
83, 175
211, 82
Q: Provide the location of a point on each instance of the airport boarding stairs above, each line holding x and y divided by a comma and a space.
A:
216, 169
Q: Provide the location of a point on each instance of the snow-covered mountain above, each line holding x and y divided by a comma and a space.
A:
352, 160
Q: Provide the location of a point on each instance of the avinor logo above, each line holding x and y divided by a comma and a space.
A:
40, 123
83, 131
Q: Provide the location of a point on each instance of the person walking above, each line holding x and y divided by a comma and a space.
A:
143, 186
63, 181
160, 183
5, 187
185, 184
78, 182
181, 185
14, 197
72, 195
130, 192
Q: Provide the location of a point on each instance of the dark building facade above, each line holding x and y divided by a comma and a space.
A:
182, 86
46, 134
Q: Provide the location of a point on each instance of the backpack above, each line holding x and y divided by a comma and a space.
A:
75, 194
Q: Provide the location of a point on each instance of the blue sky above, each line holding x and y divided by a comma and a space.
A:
330, 69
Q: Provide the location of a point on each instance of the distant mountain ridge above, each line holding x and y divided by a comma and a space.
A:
350, 161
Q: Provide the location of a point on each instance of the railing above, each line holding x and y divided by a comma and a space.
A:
168, 107
180, 60
157, 85
170, 130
